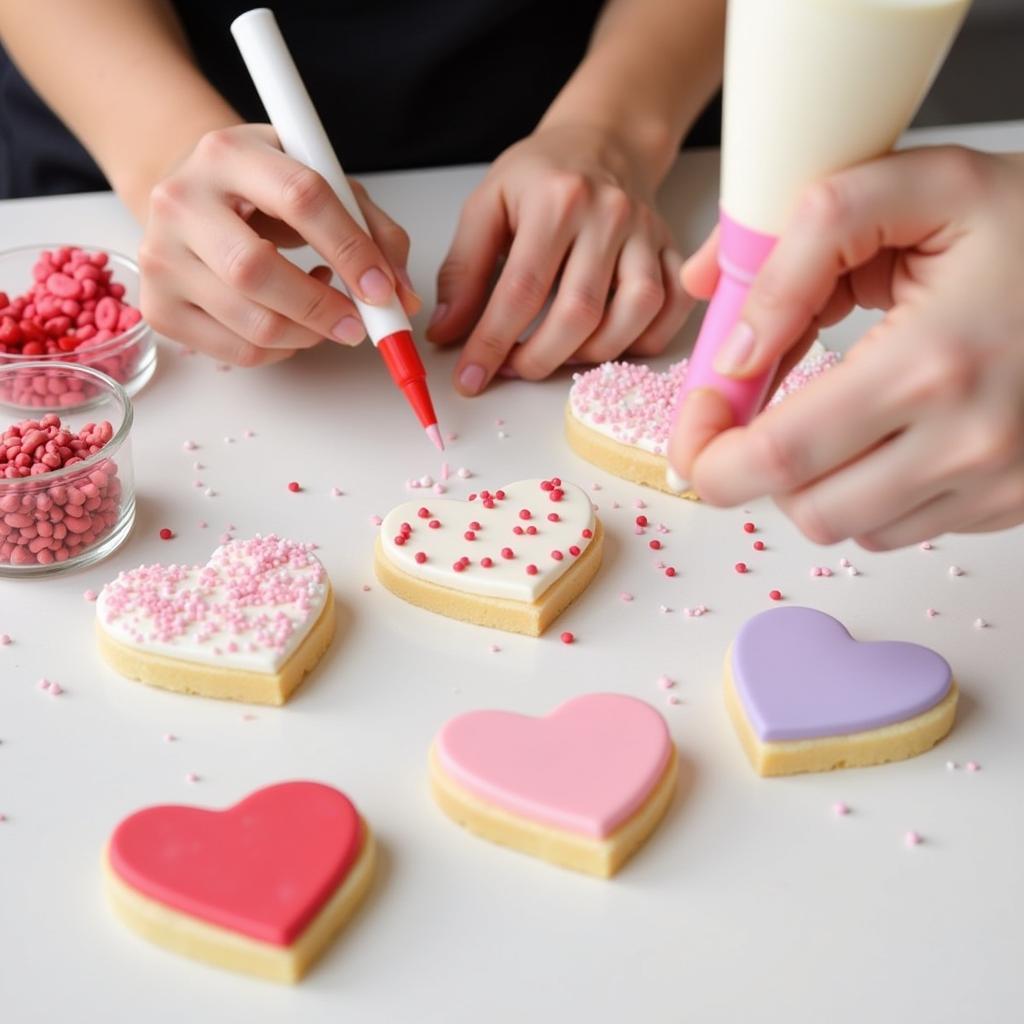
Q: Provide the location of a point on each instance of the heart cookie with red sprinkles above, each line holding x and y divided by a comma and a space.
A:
511, 559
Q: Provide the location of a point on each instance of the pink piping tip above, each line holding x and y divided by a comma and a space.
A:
435, 435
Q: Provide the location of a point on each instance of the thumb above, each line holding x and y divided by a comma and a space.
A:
841, 222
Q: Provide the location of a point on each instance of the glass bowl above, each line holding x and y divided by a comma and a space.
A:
129, 357
72, 516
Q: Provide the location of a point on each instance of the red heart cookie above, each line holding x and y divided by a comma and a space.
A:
259, 887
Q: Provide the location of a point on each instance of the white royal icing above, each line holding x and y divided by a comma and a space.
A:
506, 578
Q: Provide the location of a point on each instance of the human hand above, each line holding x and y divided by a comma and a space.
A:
212, 275
921, 429
566, 200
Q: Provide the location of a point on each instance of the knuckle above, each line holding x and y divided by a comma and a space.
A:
525, 288
214, 144
965, 170
947, 376
533, 366
265, 327
492, 347
350, 250
811, 521
823, 204
151, 262
167, 197
616, 207
995, 445
303, 192
582, 308
316, 306
645, 296
395, 237
570, 189
248, 263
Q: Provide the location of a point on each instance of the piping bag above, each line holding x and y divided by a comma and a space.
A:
302, 136
811, 87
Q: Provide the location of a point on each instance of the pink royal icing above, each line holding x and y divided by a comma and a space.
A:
262, 868
585, 767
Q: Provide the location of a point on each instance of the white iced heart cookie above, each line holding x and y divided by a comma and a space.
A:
513, 560
619, 415
248, 625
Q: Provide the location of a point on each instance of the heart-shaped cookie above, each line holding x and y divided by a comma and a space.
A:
582, 787
513, 559
619, 415
260, 887
248, 625
805, 696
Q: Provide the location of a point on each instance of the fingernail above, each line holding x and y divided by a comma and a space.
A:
403, 276
735, 350
471, 379
440, 312
675, 483
349, 330
375, 286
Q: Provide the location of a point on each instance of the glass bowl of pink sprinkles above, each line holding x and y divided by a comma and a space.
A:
67, 494
71, 304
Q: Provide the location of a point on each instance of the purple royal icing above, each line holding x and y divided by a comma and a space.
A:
799, 674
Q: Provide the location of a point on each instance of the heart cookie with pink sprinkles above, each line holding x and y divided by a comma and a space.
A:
619, 415
513, 559
248, 625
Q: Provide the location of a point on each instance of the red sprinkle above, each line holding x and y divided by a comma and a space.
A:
654, 545
759, 545
500, 495
421, 557
518, 531
531, 570
507, 553
670, 571
525, 513
424, 513
488, 503
294, 487
532, 531
587, 534
166, 534
469, 535
775, 595
554, 517
474, 525
556, 481
459, 565
546, 485
486, 562
749, 527
400, 539
557, 555
574, 551
740, 567
567, 637
641, 520
434, 524
557, 494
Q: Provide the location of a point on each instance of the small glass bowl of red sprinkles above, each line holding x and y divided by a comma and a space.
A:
72, 304
67, 493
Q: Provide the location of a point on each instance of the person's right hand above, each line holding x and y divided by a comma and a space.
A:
212, 276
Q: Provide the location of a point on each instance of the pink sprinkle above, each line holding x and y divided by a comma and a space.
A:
816, 571
191, 777
567, 637
639, 503
366, 588
5, 639
56, 689
169, 737
913, 839
446, 471
844, 563
440, 488
973, 766
190, 446
90, 595
336, 492
639, 531
248, 433
625, 596
926, 546
672, 699
595, 486
203, 524
375, 520
44, 684
670, 571
840, 809
557, 555
665, 682
294, 486
495, 649
759, 545
452, 437
462, 473
931, 613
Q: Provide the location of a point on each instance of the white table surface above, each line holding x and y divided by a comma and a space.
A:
752, 901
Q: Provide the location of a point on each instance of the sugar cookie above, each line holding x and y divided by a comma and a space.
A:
582, 787
806, 697
619, 415
260, 888
513, 560
249, 625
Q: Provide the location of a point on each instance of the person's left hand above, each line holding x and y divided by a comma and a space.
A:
567, 205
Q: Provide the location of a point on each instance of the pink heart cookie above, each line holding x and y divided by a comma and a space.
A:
619, 415
582, 787
807, 696
259, 887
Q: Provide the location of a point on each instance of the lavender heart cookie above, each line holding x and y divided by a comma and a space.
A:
806, 696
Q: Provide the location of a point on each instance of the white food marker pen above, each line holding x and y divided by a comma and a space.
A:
811, 87
302, 136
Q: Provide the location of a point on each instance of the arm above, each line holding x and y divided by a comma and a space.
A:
573, 206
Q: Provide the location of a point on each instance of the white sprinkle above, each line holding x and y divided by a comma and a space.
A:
462, 473
210, 492
198, 466
980, 624
426, 481
955, 570
926, 546
951, 766
502, 435
844, 563
190, 446
229, 440
440, 488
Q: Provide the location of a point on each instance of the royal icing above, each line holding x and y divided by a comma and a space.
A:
800, 675
262, 868
248, 608
633, 404
512, 543
585, 767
